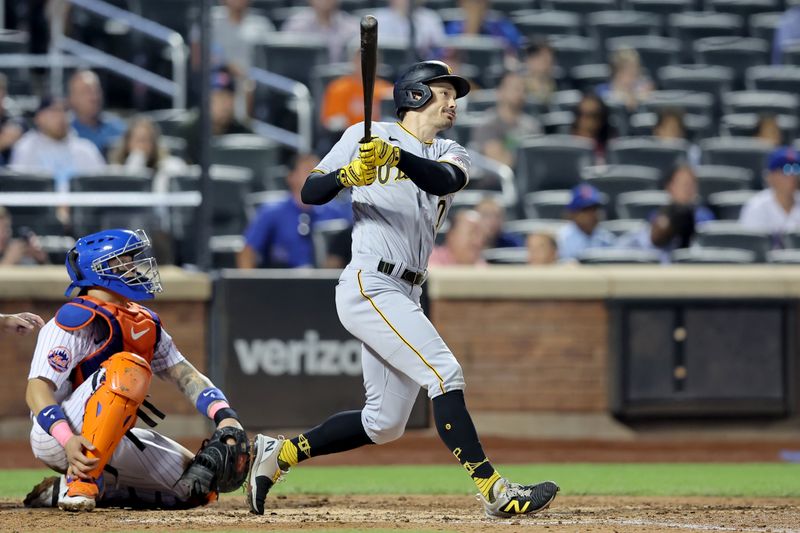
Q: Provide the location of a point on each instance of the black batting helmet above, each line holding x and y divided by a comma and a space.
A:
411, 90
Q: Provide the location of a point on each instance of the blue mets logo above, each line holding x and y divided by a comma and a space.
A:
59, 359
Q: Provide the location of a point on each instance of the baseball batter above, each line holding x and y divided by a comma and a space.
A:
90, 374
402, 182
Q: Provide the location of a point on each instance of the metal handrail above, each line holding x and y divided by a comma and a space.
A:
302, 140
504, 172
175, 87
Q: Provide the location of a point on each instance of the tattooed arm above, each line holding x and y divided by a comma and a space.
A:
191, 382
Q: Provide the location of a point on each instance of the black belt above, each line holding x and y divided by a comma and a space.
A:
414, 278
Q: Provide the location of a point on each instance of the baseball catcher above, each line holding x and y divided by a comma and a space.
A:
88, 384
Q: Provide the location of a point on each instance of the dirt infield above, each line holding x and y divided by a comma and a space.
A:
441, 513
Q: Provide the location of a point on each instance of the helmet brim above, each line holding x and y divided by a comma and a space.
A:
460, 84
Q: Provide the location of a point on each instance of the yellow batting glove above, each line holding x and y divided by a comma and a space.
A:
356, 174
379, 153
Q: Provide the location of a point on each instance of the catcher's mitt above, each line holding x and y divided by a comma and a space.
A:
218, 466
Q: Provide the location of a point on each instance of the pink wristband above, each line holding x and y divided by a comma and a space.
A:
216, 406
61, 432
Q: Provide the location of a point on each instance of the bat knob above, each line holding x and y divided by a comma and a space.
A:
368, 22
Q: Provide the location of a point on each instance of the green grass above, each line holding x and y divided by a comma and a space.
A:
682, 479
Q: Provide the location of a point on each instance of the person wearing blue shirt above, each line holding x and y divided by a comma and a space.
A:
582, 232
280, 235
478, 20
88, 119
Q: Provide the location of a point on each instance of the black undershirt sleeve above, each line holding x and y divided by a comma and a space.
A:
320, 188
433, 177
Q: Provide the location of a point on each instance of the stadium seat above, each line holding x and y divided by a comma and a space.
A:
481, 51
322, 234
719, 178
230, 186
547, 22
613, 180
695, 103
552, 162
583, 7
614, 256
705, 255
728, 234
738, 152
711, 79
87, 220
112, 180
780, 78
224, 249
604, 25
587, 77
697, 126
746, 125
655, 51
762, 25
468, 199
15, 42
293, 55
254, 152
481, 100
784, 257
661, 154
461, 132
507, 7
660, 7
56, 247
744, 8
791, 240
524, 227
690, 26
572, 51
557, 122
41, 219
640, 204
506, 256
738, 53
728, 204
546, 204
791, 54
169, 120
623, 226
760, 102
175, 14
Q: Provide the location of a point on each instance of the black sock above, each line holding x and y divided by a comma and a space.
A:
341, 432
458, 433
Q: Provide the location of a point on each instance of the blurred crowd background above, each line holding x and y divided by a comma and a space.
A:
601, 131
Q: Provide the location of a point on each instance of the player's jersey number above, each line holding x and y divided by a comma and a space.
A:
441, 207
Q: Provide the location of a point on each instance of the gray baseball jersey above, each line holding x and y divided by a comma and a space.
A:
393, 218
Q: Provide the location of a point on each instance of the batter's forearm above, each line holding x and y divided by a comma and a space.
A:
321, 188
433, 177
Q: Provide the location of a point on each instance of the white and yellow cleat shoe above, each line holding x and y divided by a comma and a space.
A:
264, 470
512, 499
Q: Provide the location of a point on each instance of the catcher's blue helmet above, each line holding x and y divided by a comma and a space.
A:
118, 260
411, 90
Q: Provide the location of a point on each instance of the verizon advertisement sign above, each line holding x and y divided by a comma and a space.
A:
280, 353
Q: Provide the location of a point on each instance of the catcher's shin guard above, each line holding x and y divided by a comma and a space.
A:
111, 410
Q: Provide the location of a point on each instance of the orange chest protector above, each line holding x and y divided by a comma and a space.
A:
124, 328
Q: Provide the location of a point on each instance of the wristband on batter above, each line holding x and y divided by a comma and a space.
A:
211, 395
53, 421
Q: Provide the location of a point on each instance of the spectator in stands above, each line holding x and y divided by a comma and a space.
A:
776, 210
324, 19
582, 232
787, 32
538, 70
670, 125
88, 118
223, 117
627, 86
506, 124
53, 148
141, 150
22, 250
11, 129
479, 20
393, 22
494, 216
769, 131
681, 184
343, 101
672, 227
464, 243
591, 122
542, 249
454, 58
280, 235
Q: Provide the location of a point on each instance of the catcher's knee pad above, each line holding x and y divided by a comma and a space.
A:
111, 409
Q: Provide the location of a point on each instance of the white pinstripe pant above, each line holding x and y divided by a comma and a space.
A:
156, 468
